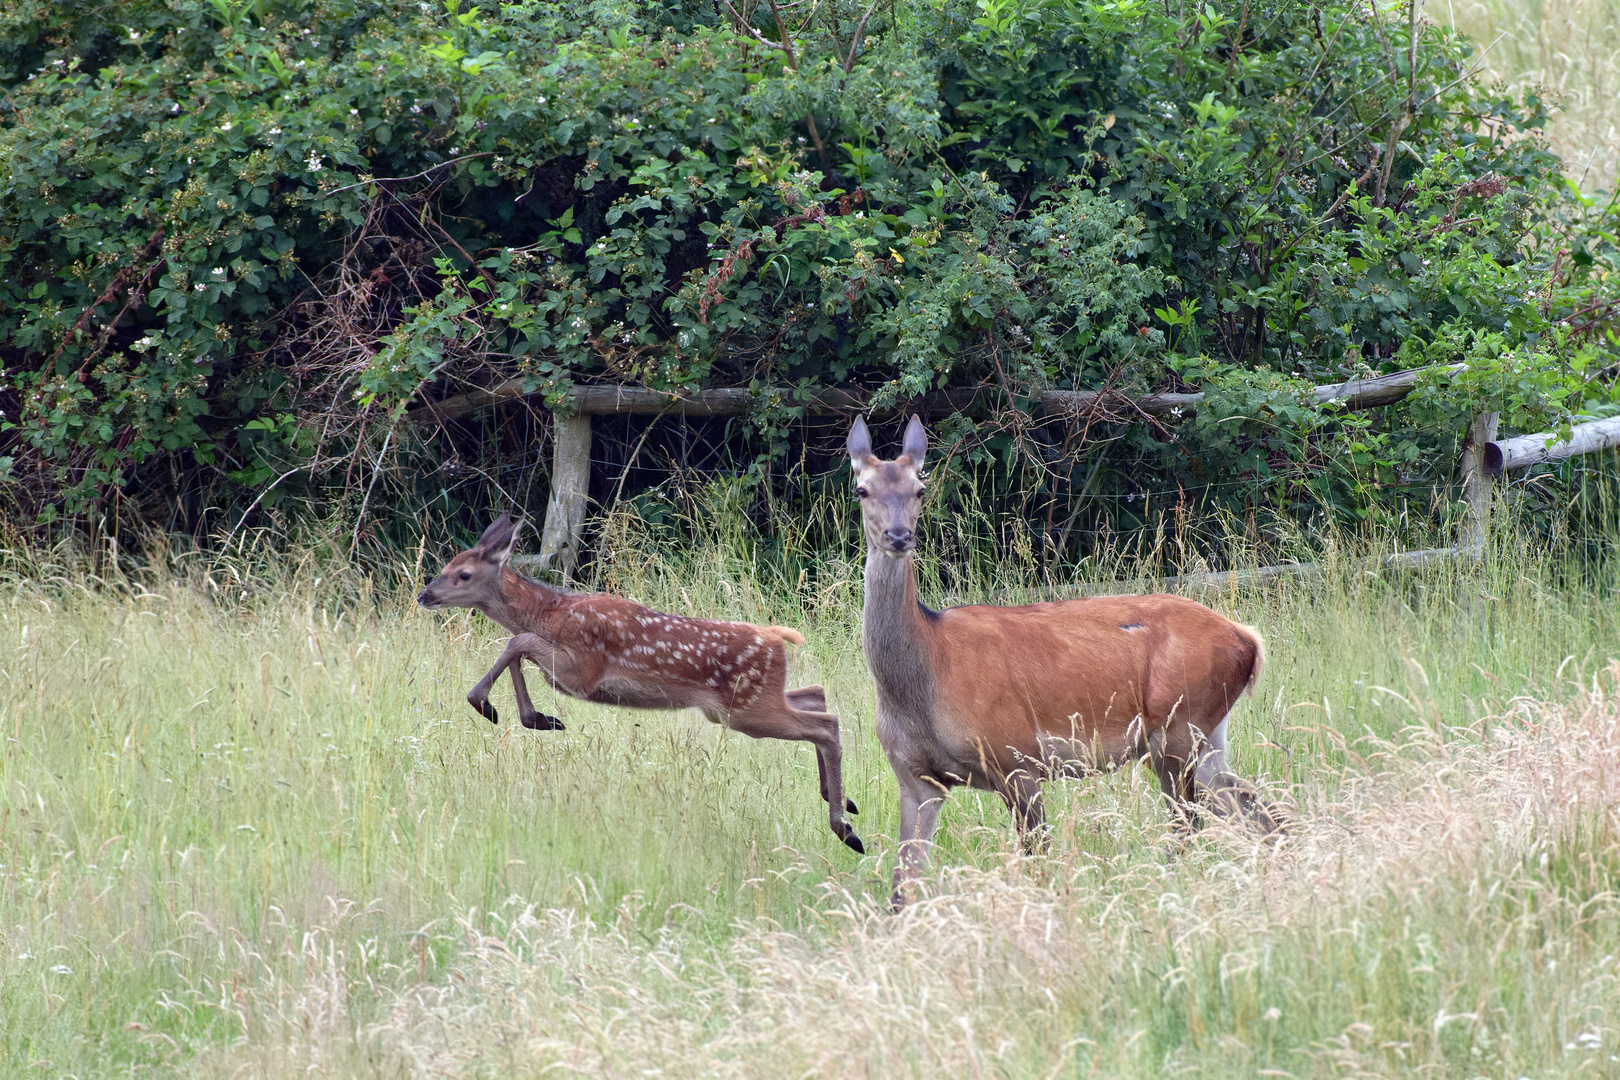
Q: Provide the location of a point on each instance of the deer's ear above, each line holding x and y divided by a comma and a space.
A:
915, 445
860, 444
499, 540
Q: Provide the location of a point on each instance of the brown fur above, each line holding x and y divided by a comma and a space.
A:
614, 651
1002, 697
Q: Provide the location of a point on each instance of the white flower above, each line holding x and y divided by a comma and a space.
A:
217, 273
146, 342
354, 112
314, 162
226, 126
416, 108
61, 969
174, 108
200, 286
274, 131
542, 99
134, 34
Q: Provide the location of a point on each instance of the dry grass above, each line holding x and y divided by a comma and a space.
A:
249, 828
1570, 50
1449, 910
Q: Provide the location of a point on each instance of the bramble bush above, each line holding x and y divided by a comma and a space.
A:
238, 240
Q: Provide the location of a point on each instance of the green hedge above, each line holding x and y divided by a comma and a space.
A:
237, 240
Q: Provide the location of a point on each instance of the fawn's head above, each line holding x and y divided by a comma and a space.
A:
890, 491
473, 578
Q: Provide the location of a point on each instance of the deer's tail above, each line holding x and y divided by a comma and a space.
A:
1259, 655
787, 633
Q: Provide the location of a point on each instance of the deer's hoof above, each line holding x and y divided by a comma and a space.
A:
542, 722
487, 711
849, 804
853, 842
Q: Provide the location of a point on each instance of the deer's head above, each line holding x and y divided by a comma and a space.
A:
890, 491
473, 578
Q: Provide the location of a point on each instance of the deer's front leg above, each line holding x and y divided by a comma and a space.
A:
478, 696
517, 647
920, 804
528, 715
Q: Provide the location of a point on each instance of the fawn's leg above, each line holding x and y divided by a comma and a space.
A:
528, 715
779, 720
814, 699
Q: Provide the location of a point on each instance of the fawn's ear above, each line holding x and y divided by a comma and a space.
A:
915, 444
499, 540
860, 445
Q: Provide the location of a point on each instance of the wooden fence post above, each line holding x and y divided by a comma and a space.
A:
1477, 482
570, 492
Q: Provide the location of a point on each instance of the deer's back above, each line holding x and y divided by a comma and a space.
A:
652, 659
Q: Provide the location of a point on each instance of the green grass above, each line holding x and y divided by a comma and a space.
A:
248, 826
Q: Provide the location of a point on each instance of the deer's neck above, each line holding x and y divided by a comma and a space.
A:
520, 604
896, 632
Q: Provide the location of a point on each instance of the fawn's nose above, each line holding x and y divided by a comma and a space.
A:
898, 539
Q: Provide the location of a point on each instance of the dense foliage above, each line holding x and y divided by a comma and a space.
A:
238, 240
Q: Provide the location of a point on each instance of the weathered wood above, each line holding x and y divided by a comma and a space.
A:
570, 492
1523, 451
737, 401
1476, 481
1227, 579
1381, 389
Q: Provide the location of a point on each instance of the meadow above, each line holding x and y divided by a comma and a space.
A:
1569, 52
248, 827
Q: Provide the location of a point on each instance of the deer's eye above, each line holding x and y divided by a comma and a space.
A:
860, 493
465, 575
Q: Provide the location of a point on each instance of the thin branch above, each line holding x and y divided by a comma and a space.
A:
855, 43
742, 24
418, 176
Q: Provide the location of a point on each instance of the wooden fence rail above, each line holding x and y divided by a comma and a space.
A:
739, 401
1485, 458
1526, 450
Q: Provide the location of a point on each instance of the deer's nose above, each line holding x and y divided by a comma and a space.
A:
898, 539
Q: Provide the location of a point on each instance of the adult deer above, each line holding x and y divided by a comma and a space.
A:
614, 651
1000, 697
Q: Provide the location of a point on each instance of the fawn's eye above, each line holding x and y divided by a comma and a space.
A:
860, 493
465, 575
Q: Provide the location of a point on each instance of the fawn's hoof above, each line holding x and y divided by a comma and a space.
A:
487, 711
542, 722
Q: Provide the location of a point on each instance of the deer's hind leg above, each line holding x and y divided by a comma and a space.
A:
1171, 750
1021, 790
780, 720
814, 699
1228, 794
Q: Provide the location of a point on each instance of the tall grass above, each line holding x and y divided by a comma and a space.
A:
1567, 49
248, 825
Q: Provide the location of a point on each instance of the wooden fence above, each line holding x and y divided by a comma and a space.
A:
1484, 460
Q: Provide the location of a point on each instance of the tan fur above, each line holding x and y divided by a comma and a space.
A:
614, 651
1002, 697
